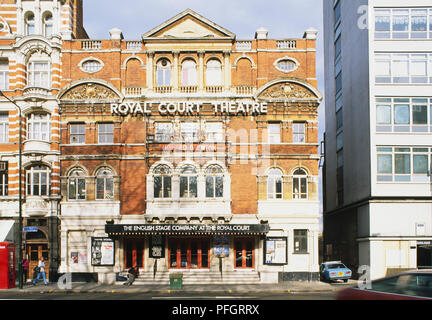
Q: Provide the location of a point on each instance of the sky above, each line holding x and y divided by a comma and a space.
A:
282, 19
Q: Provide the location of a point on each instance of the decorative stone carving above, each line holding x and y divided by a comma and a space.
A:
36, 206
287, 91
90, 91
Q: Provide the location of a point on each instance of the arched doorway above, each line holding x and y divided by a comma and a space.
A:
37, 247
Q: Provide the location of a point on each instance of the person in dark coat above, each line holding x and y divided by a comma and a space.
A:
132, 275
25, 268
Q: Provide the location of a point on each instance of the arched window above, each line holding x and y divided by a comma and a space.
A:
48, 26
214, 73
163, 73
214, 182
77, 185
39, 126
162, 182
30, 24
189, 73
274, 184
104, 184
188, 182
300, 184
38, 180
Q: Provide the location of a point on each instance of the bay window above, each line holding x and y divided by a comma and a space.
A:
39, 126
162, 182
38, 181
188, 182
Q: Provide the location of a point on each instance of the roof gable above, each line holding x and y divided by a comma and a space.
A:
188, 24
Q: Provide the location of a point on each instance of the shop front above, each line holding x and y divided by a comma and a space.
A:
216, 248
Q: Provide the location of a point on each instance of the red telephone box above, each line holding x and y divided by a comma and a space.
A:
7, 265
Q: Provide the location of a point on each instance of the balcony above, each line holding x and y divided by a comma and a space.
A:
134, 45
133, 92
36, 147
214, 89
244, 45
91, 45
286, 44
36, 93
163, 89
243, 90
36, 206
189, 89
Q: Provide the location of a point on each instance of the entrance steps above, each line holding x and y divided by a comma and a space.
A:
200, 277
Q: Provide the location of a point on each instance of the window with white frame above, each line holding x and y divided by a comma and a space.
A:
404, 114
39, 126
274, 184
4, 75
274, 133
3, 178
104, 184
48, 25
214, 73
403, 23
38, 74
163, 73
91, 66
214, 182
188, 182
105, 133
403, 164
38, 180
30, 23
407, 68
77, 133
164, 131
77, 185
4, 127
299, 132
189, 131
162, 182
300, 184
214, 131
189, 73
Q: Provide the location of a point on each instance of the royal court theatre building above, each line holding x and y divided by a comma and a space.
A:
186, 151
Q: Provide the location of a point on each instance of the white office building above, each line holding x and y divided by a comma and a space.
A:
378, 140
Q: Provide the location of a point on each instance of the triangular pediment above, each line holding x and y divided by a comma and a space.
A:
187, 25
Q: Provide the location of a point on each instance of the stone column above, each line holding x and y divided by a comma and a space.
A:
150, 57
227, 70
201, 70
175, 71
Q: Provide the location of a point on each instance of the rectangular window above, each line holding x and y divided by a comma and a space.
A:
39, 127
39, 75
214, 131
4, 75
77, 133
105, 133
407, 68
300, 241
274, 133
189, 131
299, 133
4, 127
3, 178
164, 131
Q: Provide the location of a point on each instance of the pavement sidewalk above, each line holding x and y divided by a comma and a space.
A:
286, 287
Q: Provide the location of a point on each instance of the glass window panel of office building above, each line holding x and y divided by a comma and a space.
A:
404, 115
403, 68
403, 164
403, 23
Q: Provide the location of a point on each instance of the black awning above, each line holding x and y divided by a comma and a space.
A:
185, 229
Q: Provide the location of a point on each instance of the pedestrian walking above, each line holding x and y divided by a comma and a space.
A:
40, 269
25, 268
132, 274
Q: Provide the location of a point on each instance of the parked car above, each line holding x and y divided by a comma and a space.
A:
334, 270
410, 285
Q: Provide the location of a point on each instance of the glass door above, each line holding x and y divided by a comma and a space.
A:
189, 253
244, 253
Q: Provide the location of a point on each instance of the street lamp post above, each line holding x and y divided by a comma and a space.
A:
20, 228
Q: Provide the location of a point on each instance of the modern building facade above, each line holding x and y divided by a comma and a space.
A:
185, 151
378, 140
